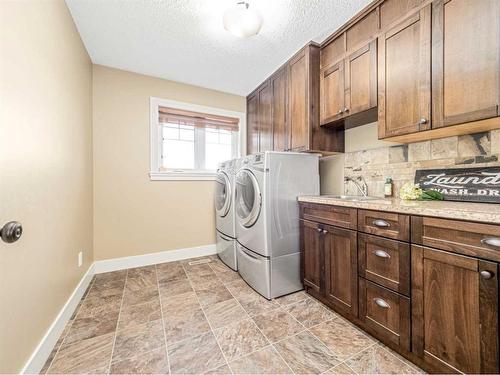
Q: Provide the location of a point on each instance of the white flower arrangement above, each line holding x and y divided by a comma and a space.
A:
413, 192
410, 191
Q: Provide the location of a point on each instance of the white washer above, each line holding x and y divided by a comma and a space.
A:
224, 213
267, 218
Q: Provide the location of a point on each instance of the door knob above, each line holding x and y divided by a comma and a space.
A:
486, 274
11, 231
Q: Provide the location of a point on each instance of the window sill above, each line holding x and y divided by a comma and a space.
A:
182, 176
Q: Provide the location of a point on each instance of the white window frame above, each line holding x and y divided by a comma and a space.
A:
155, 172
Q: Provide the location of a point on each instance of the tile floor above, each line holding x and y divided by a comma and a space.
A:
183, 318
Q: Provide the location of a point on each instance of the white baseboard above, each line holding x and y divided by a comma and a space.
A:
116, 264
49, 340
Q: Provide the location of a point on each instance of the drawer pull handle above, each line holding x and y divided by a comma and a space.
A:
381, 303
381, 223
381, 254
486, 274
492, 241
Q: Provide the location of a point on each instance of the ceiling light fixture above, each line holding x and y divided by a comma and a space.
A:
242, 21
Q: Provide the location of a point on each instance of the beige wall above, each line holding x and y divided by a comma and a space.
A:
133, 215
45, 171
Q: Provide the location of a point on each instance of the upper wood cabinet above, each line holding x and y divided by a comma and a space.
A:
265, 94
299, 107
253, 123
279, 97
332, 92
361, 79
404, 75
465, 61
288, 110
454, 311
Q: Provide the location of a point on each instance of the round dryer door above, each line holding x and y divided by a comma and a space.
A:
248, 197
222, 194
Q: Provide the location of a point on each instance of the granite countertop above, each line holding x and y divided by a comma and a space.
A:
481, 212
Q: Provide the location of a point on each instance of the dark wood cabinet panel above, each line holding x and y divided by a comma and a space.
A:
393, 10
363, 30
333, 51
404, 76
312, 255
465, 61
384, 261
253, 124
385, 224
279, 97
344, 217
265, 117
298, 102
454, 311
341, 269
386, 314
361, 80
332, 93
475, 239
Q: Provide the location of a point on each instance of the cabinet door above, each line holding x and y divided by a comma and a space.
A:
454, 311
280, 132
361, 80
404, 70
465, 61
312, 256
252, 124
332, 93
265, 119
298, 102
341, 269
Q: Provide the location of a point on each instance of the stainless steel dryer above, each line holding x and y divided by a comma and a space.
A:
267, 218
224, 213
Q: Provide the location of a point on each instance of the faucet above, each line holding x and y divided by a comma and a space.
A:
361, 185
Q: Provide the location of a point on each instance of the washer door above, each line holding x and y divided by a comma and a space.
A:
248, 197
222, 194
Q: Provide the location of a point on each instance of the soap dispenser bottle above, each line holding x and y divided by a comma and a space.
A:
388, 187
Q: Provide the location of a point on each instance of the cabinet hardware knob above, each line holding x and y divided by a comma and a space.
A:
325, 231
340, 111
381, 254
381, 303
422, 121
492, 241
319, 230
345, 109
381, 223
11, 231
486, 274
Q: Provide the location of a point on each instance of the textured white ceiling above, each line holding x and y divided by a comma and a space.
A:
184, 40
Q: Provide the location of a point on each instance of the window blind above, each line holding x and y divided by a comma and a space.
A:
201, 120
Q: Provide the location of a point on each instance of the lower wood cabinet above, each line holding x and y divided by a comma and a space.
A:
386, 314
329, 265
312, 256
437, 306
454, 311
341, 269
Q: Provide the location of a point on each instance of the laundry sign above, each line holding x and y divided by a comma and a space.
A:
462, 184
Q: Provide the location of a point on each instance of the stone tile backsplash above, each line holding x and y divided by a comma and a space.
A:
401, 161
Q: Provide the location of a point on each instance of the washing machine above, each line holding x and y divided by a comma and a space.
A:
224, 213
267, 218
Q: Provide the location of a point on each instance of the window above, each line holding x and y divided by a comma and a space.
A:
188, 142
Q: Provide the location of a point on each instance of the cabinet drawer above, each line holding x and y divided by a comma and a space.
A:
385, 314
386, 262
475, 239
333, 215
385, 224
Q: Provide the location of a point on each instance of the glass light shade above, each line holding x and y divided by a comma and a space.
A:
242, 21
